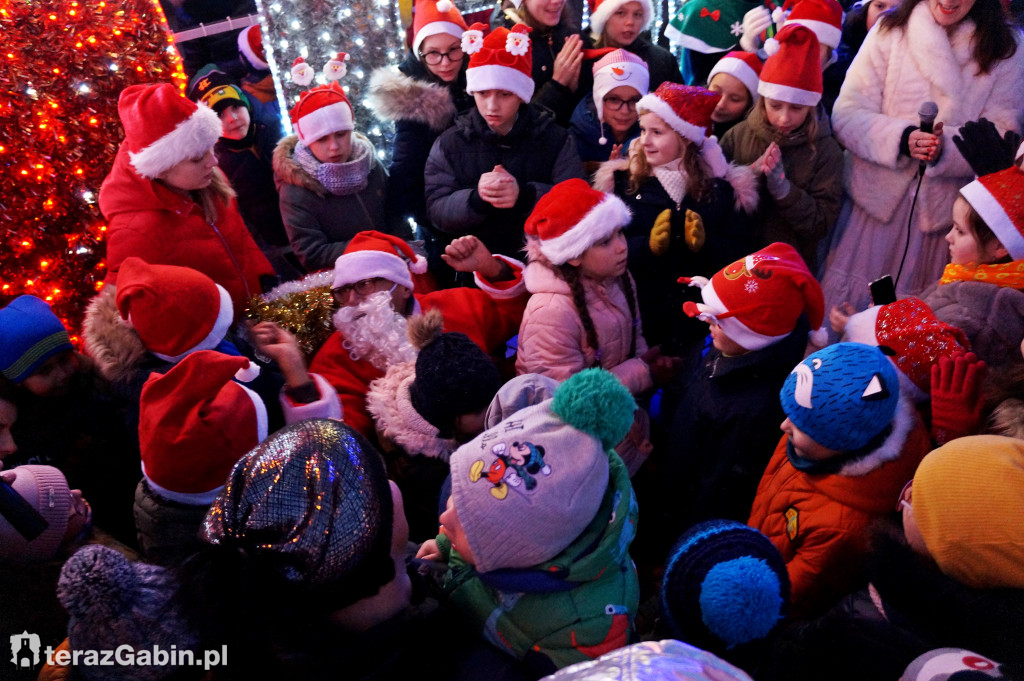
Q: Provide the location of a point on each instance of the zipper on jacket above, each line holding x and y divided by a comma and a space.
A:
234, 261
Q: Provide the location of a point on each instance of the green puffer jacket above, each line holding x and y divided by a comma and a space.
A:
573, 608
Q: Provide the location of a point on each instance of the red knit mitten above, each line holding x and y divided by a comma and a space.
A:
956, 396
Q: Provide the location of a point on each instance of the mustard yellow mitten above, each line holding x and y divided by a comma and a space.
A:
661, 233
694, 231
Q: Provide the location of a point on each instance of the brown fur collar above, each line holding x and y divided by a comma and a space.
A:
396, 96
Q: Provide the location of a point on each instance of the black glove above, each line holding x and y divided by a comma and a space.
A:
983, 149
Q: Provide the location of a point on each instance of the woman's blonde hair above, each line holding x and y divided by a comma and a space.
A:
698, 177
217, 193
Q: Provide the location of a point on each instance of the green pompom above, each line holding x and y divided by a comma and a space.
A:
597, 403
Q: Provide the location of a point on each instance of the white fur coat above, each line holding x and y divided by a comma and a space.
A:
896, 71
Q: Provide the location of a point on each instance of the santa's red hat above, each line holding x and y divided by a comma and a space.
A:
570, 218
912, 331
758, 300
162, 128
792, 72
823, 17
998, 199
615, 69
744, 66
602, 10
374, 254
175, 310
250, 46
687, 109
503, 60
434, 17
321, 111
195, 423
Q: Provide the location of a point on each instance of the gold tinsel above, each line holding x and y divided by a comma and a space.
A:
307, 314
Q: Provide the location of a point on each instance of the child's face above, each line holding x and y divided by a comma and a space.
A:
605, 259
727, 346
876, 8
8, 415
805, 447
452, 528
785, 117
622, 119
448, 49
624, 25
234, 122
546, 12
735, 98
333, 148
910, 528
53, 377
964, 248
191, 174
498, 107
660, 143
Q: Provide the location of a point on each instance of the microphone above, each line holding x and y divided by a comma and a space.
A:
927, 114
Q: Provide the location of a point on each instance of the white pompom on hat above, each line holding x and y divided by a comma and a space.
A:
615, 69
374, 254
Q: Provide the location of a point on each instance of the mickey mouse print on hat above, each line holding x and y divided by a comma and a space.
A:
323, 109
501, 60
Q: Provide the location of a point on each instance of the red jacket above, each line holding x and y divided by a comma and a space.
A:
489, 316
152, 222
819, 522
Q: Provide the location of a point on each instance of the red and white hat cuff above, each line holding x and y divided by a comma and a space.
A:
358, 265
246, 49
598, 223
787, 93
740, 70
497, 77
436, 28
191, 138
600, 16
655, 105
225, 315
827, 34
995, 216
323, 121
207, 497
742, 334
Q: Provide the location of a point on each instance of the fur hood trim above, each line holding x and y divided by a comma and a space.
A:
904, 421
110, 341
604, 178
397, 97
388, 402
288, 171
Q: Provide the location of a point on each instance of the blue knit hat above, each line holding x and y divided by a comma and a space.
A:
30, 334
725, 585
842, 396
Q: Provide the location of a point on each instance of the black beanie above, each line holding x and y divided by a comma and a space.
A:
453, 377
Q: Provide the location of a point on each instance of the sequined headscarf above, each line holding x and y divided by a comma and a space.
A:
312, 503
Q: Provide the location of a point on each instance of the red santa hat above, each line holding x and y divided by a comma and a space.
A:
433, 17
503, 60
602, 10
744, 66
374, 254
917, 337
321, 111
250, 46
998, 199
792, 72
823, 17
195, 423
687, 110
617, 68
758, 300
175, 310
570, 218
162, 127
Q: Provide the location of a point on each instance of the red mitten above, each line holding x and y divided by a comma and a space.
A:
956, 396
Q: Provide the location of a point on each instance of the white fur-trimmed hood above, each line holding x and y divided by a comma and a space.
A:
396, 96
388, 402
903, 422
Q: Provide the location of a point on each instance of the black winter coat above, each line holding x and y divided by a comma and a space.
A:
536, 151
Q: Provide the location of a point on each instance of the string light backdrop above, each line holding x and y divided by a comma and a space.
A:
63, 66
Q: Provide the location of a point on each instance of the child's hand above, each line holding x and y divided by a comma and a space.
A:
839, 315
499, 188
662, 367
755, 22
775, 173
566, 70
429, 551
616, 152
926, 147
469, 254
